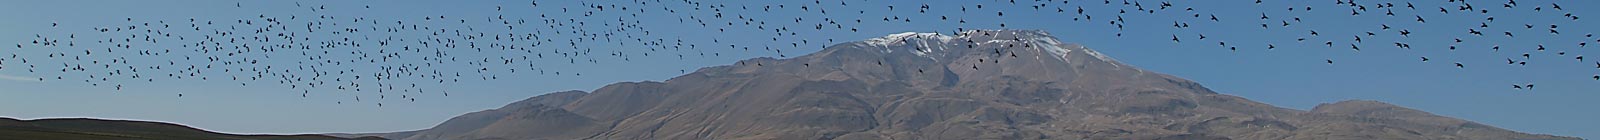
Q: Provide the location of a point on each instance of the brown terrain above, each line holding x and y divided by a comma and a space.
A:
992, 84
98, 129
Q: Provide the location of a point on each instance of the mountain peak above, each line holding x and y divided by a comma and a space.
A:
999, 42
902, 41
979, 84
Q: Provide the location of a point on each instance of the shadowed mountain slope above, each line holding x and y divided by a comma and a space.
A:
96, 129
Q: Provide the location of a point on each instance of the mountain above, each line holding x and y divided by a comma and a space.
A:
96, 129
981, 84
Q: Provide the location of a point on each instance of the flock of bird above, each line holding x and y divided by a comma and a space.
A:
310, 52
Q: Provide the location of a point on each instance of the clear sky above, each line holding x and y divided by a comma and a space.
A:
1293, 75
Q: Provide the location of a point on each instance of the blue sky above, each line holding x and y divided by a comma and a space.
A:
1293, 75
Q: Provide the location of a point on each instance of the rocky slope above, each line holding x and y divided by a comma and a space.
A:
984, 84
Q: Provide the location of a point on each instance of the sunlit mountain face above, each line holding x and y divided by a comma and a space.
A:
979, 84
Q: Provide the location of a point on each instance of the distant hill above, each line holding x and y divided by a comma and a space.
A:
990, 84
97, 129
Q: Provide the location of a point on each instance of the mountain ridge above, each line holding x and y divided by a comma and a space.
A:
978, 84
99, 129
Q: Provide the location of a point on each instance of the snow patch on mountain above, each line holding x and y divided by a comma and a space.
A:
925, 44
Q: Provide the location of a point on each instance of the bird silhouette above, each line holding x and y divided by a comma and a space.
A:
322, 48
